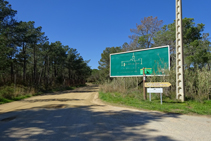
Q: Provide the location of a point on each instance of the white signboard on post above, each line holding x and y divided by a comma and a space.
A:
154, 90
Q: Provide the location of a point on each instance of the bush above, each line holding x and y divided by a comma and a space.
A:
11, 92
7, 92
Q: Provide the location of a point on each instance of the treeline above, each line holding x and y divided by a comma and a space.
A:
28, 59
152, 33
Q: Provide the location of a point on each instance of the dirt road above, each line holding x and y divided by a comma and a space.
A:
79, 115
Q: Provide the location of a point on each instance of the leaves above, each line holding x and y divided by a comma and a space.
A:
196, 45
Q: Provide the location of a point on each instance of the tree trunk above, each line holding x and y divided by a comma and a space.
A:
40, 76
34, 67
45, 64
11, 71
48, 73
55, 74
24, 64
52, 74
69, 73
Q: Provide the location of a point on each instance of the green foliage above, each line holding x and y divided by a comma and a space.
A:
95, 76
12, 93
104, 62
7, 92
196, 43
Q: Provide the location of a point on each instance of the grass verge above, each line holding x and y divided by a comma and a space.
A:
168, 106
6, 100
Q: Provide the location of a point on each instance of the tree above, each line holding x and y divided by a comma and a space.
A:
7, 41
78, 69
95, 76
6, 15
71, 57
145, 31
24, 39
195, 44
125, 47
104, 62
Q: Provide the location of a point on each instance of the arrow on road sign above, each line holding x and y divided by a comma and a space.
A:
157, 84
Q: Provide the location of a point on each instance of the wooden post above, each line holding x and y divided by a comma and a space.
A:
144, 92
124, 83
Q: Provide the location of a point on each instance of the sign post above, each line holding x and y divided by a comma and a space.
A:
155, 90
140, 63
144, 78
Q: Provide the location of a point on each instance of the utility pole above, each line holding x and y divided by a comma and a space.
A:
180, 92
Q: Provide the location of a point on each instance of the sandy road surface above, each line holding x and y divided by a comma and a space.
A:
79, 115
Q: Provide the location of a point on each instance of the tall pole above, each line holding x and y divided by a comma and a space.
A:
180, 93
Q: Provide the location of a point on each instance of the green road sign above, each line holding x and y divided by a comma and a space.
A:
131, 63
146, 71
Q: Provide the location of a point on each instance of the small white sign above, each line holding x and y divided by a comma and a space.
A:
154, 90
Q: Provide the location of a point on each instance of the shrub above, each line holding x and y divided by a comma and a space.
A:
7, 92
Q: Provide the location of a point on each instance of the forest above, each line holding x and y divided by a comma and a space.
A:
30, 63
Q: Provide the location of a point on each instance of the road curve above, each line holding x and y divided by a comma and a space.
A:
79, 115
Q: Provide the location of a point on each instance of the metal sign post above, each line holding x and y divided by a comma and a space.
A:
180, 93
155, 90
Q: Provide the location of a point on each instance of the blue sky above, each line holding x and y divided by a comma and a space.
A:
92, 25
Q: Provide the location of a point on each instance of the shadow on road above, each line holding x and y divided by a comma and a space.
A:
46, 100
87, 89
77, 91
79, 123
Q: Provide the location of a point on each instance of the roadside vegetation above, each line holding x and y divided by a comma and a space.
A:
127, 91
197, 75
30, 64
11, 93
134, 99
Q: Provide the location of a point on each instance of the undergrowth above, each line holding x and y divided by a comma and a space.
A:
13, 93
